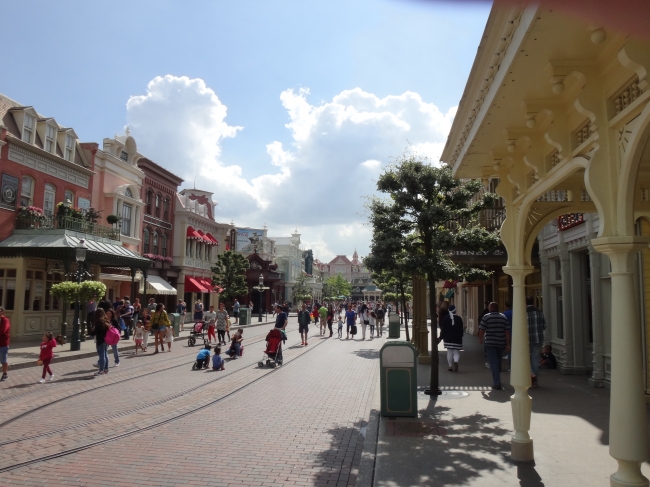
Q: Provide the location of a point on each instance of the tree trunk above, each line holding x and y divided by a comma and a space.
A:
434, 385
406, 323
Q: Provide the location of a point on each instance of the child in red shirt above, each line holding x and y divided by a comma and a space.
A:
47, 354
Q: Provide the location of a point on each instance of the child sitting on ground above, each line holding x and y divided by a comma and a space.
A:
235, 346
202, 359
217, 361
138, 336
547, 359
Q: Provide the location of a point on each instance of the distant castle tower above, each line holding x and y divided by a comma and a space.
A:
355, 257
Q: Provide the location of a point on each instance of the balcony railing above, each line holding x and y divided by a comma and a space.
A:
60, 222
490, 218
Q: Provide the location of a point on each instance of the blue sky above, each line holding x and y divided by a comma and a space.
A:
81, 62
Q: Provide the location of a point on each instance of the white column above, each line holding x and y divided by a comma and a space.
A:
628, 429
521, 445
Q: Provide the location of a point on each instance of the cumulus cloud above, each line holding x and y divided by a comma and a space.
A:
317, 182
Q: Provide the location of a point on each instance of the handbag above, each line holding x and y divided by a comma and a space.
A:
353, 330
366, 322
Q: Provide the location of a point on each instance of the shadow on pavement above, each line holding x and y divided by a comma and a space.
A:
369, 354
339, 465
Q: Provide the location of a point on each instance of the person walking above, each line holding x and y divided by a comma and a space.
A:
100, 329
46, 355
127, 317
210, 319
235, 311
330, 317
495, 335
146, 329
113, 321
221, 319
350, 319
181, 309
304, 318
151, 307
364, 319
451, 331
159, 323
536, 328
137, 311
5, 334
198, 310
322, 315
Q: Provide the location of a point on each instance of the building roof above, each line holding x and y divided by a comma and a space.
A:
343, 258
147, 164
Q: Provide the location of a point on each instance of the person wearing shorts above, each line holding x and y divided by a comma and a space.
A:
303, 323
235, 311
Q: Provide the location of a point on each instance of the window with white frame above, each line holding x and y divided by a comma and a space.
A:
126, 220
48, 200
69, 195
28, 128
69, 148
155, 242
50, 137
27, 191
83, 204
199, 247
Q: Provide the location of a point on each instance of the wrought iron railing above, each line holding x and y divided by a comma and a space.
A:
490, 218
29, 222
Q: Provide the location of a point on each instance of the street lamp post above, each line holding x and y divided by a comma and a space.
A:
260, 289
80, 257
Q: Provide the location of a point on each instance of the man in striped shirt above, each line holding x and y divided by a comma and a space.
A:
494, 333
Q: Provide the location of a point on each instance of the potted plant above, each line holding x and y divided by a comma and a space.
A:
92, 215
113, 219
31, 216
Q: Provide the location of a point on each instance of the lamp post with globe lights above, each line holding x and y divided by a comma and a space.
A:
260, 289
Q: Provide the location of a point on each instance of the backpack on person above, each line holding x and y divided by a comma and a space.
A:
112, 336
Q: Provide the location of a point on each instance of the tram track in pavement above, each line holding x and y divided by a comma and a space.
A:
103, 386
135, 429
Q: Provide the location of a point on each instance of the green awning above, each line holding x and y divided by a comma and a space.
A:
61, 246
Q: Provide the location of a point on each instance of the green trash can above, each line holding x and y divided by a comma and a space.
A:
244, 316
393, 326
398, 379
175, 318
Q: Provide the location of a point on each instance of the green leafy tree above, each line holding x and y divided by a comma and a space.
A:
229, 273
301, 289
337, 286
427, 214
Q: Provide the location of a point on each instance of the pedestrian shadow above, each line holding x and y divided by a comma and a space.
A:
369, 354
339, 464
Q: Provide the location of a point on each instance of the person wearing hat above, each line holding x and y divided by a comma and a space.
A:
451, 331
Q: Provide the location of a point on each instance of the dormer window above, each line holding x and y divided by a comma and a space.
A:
28, 128
124, 156
69, 148
50, 136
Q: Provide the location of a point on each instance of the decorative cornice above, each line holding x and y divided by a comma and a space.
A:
25, 157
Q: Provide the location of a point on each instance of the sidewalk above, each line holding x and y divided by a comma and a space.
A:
462, 438
23, 354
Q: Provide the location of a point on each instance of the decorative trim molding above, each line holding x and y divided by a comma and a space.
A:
47, 166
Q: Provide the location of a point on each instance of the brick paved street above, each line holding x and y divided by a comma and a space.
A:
300, 424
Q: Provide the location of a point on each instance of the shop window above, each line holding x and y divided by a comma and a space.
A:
8, 288
48, 200
27, 192
34, 291
50, 302
155, 242
145, 240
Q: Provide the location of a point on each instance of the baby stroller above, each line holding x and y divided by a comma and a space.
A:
198, 330
273, 352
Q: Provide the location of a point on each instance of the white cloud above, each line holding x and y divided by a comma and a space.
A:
316, 183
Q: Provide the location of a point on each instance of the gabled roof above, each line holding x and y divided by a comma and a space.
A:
342, 258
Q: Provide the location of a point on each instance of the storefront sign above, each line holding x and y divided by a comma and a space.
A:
246, 238
485, 254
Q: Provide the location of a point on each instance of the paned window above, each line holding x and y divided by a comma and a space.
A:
126, 220
27, 191
34, 291
8, 288
83, 204
69, 148
28, 128
158, 206
166, 209
69, 195
155, 243
145, 239
51, 303
147, 201
48, 200
164, 246
189, 249
50, 137
199, 248
124, 156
